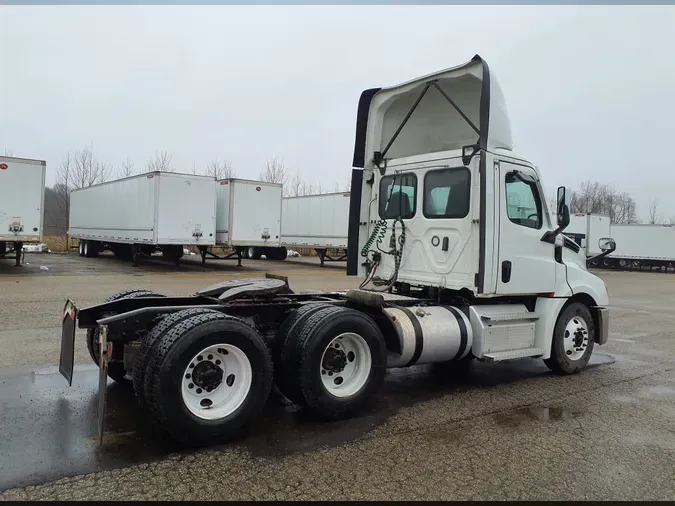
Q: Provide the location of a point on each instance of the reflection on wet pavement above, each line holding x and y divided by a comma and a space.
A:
48, 431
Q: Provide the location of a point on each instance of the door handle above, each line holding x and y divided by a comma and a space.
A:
446, 244
506, 271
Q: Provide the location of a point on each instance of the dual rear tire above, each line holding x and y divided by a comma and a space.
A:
256, 253
203, 376
88, 249
331, 360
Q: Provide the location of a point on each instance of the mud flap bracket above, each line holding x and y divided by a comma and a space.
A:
105, 351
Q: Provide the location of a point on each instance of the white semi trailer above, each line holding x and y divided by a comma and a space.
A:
248, 220
319, 222
139, 215
459, 259
587, 229
641, 246
22, 196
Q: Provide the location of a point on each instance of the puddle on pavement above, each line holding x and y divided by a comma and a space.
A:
48, 431
534, 413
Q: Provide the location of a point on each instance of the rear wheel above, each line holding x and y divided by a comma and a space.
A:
81, 248
208, 378
573, 340
283, 350
90, 249
116, 369
339, 362
143, 357
253, 253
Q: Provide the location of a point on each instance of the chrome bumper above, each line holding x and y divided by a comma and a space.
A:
602, 332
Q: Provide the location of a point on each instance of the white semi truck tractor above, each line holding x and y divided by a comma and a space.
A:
460, 262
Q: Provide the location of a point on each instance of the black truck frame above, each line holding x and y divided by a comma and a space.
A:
266, 304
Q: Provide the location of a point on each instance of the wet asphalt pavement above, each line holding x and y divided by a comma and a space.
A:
506, 431
50, 430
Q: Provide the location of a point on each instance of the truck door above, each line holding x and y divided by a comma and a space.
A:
526, 263
435, 201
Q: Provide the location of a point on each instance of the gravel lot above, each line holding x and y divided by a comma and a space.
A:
508, 431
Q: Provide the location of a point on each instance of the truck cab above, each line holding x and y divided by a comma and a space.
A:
448, 207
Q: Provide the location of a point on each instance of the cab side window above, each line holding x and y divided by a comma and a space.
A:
398, 196
446, 193
523, 204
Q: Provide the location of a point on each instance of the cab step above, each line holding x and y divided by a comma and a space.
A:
509, 317
498, 356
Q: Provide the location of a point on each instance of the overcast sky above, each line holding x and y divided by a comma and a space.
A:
590, 90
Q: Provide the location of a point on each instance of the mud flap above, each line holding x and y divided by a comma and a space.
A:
68, 325
102, 377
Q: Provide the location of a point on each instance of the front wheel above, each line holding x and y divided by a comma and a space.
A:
573, 340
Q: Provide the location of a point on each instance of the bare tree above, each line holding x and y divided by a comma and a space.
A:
220, 169
653, 207
126, 169
86, 170
59, 216
275, 172
160, 163
348, 186
336, 188
308, 189
9, 152
194, 167
296, 188
596, 198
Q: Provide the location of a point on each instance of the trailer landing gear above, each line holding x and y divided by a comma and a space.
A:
324, 255
204, 252
18, 248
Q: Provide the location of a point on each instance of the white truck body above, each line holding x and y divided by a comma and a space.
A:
587, 229
447, 206
644, 242
461, 261
157, 208
22, 194
248, 213
316, 221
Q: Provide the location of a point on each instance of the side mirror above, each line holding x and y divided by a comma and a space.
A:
563, 207
606, 244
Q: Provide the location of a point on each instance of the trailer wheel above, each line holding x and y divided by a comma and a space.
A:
253, 253
116, 370
139, 375
90, 249
573, 340
281, 253
283, 350
81, 248
341, 361
210, 376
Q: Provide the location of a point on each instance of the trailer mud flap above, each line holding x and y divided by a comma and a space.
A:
102, 378
68, 325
